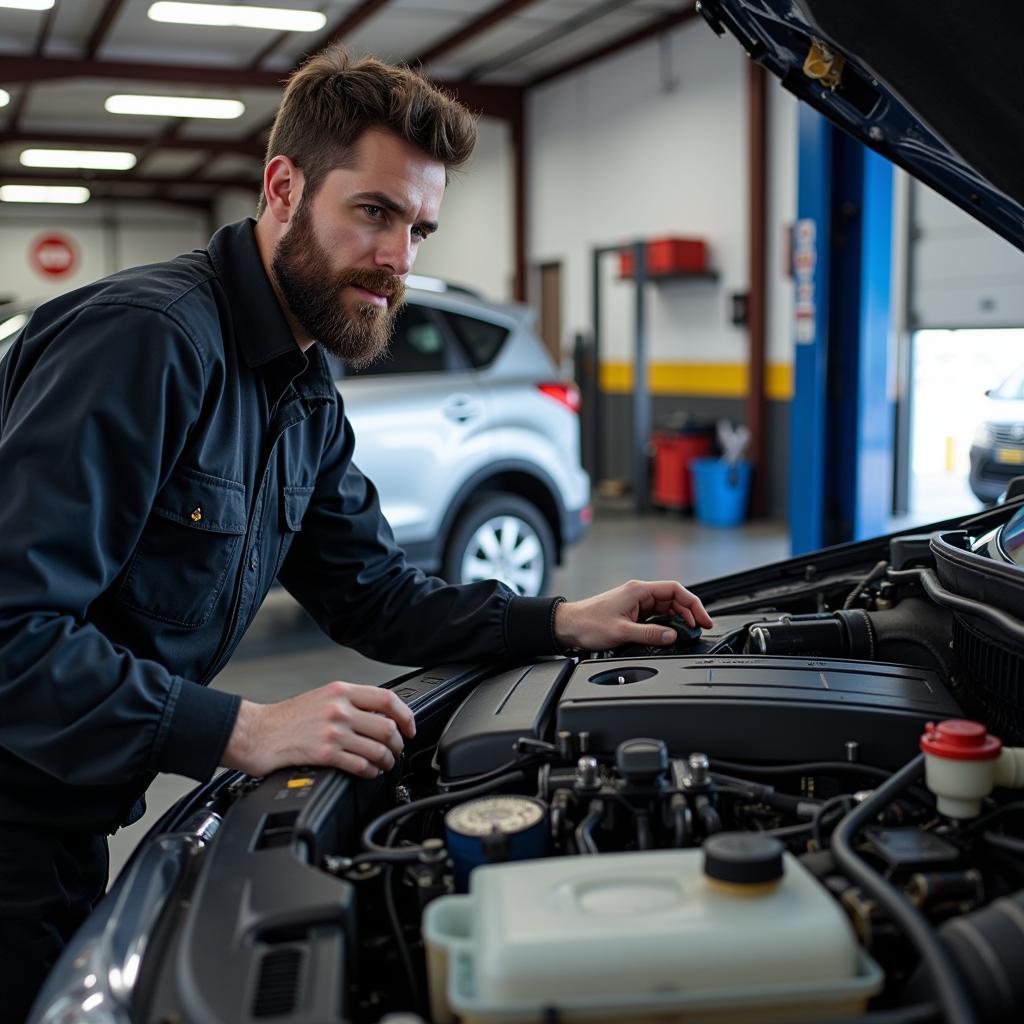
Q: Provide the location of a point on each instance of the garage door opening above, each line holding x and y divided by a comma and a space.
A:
951, 372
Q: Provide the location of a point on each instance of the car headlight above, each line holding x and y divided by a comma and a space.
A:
983, 435
94, 979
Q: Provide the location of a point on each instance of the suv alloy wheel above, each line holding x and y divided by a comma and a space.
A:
504, 537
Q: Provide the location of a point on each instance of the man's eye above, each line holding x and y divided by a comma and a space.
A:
420, 233
374, 211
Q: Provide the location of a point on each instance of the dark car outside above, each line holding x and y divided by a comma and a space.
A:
997, 451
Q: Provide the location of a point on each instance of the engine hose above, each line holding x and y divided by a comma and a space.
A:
950, 991
396, 814
585, 842
935, 590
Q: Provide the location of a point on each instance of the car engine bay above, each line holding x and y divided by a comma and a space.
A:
805, 813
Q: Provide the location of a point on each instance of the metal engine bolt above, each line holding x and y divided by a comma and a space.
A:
587, 774
699, 768
852, 751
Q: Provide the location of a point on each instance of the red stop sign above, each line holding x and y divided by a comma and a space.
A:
54, 255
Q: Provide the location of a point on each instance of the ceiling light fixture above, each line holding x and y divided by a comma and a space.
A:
28, 5
238, 17
44, 194
5, 97
91, 159
174, 106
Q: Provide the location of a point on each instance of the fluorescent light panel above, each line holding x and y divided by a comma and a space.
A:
28, 5
92, 159
43, 194
238, 16
174, 106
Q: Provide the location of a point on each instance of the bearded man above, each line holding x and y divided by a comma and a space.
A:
171, 441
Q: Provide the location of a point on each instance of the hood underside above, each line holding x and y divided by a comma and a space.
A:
936, 87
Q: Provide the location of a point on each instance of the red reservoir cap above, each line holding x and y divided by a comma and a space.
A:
960, 740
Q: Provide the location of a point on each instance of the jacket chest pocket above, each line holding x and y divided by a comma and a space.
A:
187, 549
294, 502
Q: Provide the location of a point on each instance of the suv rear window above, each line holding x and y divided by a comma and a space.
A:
480, 338
418, 346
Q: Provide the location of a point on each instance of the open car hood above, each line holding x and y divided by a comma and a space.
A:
937, 87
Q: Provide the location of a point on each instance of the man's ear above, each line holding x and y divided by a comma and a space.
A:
282, 188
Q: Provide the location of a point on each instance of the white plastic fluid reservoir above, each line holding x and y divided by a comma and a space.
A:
644, 936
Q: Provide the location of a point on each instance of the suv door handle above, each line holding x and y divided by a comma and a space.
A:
462, 408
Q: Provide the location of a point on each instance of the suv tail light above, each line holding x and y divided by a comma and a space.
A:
567, 394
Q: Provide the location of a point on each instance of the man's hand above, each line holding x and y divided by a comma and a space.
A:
356, 728
612, 618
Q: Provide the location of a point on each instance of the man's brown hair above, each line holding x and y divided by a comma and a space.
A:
332, 99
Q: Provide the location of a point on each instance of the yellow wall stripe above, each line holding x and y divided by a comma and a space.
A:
706, 380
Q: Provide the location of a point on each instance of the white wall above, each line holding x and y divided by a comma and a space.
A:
107, 236
640, 146
962, 273
474, 244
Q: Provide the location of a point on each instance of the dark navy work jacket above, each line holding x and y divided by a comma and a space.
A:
166, 451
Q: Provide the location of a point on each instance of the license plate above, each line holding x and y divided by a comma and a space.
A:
1015, 456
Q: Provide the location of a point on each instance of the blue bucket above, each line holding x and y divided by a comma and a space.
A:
720, 491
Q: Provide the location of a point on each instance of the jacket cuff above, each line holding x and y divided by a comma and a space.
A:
530, 626
195, 729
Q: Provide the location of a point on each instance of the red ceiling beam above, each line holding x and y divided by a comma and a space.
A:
15, 69
640, 35
18, 107
494, 100
134, 143
486, 21
103, 26
101, 178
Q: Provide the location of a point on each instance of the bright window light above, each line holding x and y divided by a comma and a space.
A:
5, 97
43, 194
92, 159
174, 106
238, 17
28, 5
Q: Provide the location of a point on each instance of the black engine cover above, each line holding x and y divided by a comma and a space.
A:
758, 708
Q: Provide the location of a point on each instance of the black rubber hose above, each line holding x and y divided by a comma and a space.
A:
585, 842
934, 589
396, 814
951, 994
810, 768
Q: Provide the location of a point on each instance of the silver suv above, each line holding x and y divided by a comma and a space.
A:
472, 439
469, 435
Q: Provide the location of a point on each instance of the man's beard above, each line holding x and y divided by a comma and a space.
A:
312, 291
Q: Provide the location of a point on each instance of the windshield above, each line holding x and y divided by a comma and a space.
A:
1012, 388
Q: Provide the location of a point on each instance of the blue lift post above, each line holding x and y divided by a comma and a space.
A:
841, 415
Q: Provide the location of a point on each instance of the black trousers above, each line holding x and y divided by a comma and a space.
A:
49, 882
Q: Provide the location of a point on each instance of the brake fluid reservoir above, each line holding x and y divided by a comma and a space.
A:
755, 937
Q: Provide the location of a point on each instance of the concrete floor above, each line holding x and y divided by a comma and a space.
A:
284, 653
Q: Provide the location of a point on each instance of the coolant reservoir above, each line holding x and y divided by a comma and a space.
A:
648, 935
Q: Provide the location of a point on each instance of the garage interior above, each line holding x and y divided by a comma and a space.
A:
605, 129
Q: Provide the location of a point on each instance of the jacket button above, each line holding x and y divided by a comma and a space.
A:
254, 561
197, 514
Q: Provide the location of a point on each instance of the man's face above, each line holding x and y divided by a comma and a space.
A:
341, 265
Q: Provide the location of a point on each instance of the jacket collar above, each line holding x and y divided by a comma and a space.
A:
261, 331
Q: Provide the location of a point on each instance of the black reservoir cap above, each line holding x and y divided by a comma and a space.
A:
743, 858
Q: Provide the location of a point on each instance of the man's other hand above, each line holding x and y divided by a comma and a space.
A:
359, 729
613, 618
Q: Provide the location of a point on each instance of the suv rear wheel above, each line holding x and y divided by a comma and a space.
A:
503, 537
